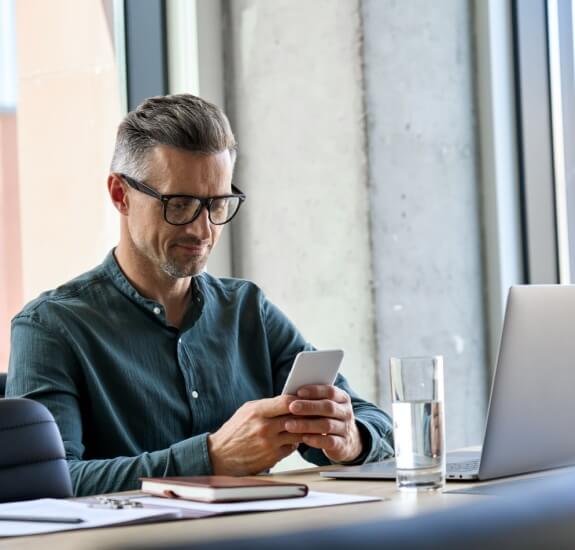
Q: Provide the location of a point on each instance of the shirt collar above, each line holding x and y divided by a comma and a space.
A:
121, 282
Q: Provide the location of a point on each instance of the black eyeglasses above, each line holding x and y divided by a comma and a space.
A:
184, 209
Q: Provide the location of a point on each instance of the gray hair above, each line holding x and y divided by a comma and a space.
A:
184, 121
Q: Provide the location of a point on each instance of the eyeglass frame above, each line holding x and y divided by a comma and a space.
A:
205, 202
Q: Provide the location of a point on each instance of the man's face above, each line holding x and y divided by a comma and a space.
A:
178, 251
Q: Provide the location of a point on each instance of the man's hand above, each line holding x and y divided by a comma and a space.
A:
327, 422
254, 438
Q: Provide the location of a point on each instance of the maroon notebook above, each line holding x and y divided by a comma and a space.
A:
221, 488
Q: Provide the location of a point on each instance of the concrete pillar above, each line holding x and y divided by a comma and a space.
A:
423, 163
295, 99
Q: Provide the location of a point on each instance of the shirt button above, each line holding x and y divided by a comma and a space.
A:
180, 341
157, 310
195, 394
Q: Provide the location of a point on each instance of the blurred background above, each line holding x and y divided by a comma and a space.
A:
405, 162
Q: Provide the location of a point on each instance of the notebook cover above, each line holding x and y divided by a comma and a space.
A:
222, 482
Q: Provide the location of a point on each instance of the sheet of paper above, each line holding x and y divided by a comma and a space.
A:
156, 508
313, 499
93, 517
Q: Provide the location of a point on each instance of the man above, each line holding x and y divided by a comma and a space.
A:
153, 367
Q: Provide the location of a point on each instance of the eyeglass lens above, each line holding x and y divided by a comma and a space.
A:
182, 210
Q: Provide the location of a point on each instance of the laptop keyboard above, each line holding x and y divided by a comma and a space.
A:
463, 467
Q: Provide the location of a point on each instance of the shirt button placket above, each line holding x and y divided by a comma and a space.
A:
194, 393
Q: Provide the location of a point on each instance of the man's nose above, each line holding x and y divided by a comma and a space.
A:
201, 227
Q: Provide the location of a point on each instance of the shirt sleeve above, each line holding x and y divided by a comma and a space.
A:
375, 425
43, 367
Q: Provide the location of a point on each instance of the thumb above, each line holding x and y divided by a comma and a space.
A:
275, 406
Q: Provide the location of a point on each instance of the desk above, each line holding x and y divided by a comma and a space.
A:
399, 505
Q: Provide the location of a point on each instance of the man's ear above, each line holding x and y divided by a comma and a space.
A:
118, 193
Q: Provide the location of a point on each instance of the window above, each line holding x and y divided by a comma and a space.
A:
61, 104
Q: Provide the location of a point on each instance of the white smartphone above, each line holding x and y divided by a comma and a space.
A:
313, 367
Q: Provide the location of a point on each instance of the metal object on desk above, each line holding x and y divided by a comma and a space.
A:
115, 503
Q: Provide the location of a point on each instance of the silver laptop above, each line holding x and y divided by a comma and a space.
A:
531, 411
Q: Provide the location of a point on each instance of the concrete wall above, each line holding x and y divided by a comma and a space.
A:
381, 258
423, 163
295, 99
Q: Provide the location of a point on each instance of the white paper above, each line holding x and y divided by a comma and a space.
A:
162, 508
93, 517
313, 499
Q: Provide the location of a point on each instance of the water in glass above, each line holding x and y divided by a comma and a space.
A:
419, 444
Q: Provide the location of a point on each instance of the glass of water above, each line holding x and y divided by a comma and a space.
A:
418, 422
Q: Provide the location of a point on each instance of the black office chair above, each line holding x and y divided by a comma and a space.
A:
32, 457
2, 384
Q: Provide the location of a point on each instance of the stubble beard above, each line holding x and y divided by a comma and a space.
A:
174, 268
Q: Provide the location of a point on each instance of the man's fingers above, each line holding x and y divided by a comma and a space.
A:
325, 442
290, 439
274, 406
317, 391
322, 407
315, 426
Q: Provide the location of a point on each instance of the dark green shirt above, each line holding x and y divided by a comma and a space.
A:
134, 396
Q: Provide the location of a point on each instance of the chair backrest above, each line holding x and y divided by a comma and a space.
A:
2, 384
32, 458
